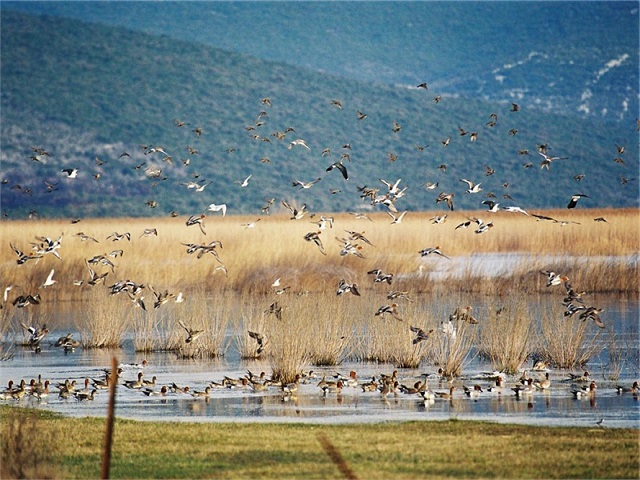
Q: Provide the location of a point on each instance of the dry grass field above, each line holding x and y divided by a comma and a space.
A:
275, 247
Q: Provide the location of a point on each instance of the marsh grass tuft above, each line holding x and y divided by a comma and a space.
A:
567, 342
289, 343
453, 346
104, 320
145, 338
210, 318
506, 337
27, 449
6, 348
331, 328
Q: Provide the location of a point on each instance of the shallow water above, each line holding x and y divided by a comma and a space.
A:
555, 407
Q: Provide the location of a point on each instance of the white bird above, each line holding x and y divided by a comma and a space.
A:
493, 206
200, 188
71, 172
179, 298
305, 185
393, 188
49, 281
218, 208
473, 187
245, 182
515, 210
6, 292
397, 219
251, 224
547, 160
300, 142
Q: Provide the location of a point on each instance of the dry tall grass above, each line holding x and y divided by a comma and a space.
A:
506, 338
453, 347
104, 320
289, 342
276, 248
567, 342
332, 328
6, 348
389, 340
27, 449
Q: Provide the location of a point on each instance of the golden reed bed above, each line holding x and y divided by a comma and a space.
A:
275, 247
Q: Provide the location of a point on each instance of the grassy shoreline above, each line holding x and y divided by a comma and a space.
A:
453, 448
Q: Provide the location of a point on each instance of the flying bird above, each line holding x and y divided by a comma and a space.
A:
296, 214
398, 219
244, 182
315, 238
435, 250
299, 142
420, 334
218, 208
446, 197
192, 334
344, 287
515, 210
390, 309
305, 185
340, 167
473, 187
49, 281
574, 200
260, 340
197, 220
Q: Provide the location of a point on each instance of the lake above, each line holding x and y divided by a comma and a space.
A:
556, 406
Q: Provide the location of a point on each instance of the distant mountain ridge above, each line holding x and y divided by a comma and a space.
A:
572, 58
82, 91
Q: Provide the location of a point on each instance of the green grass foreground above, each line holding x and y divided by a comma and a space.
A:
384, 450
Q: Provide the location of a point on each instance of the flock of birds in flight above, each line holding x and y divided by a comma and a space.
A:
156, 157
386, 197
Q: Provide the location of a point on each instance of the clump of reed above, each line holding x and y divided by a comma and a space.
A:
6, 347
616, 351
251, 319
27, 448
289, 342
622, 349
506, 337
388, 339
212, 320
145, 330
104, 320
566, 342
453, 346
331, 327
